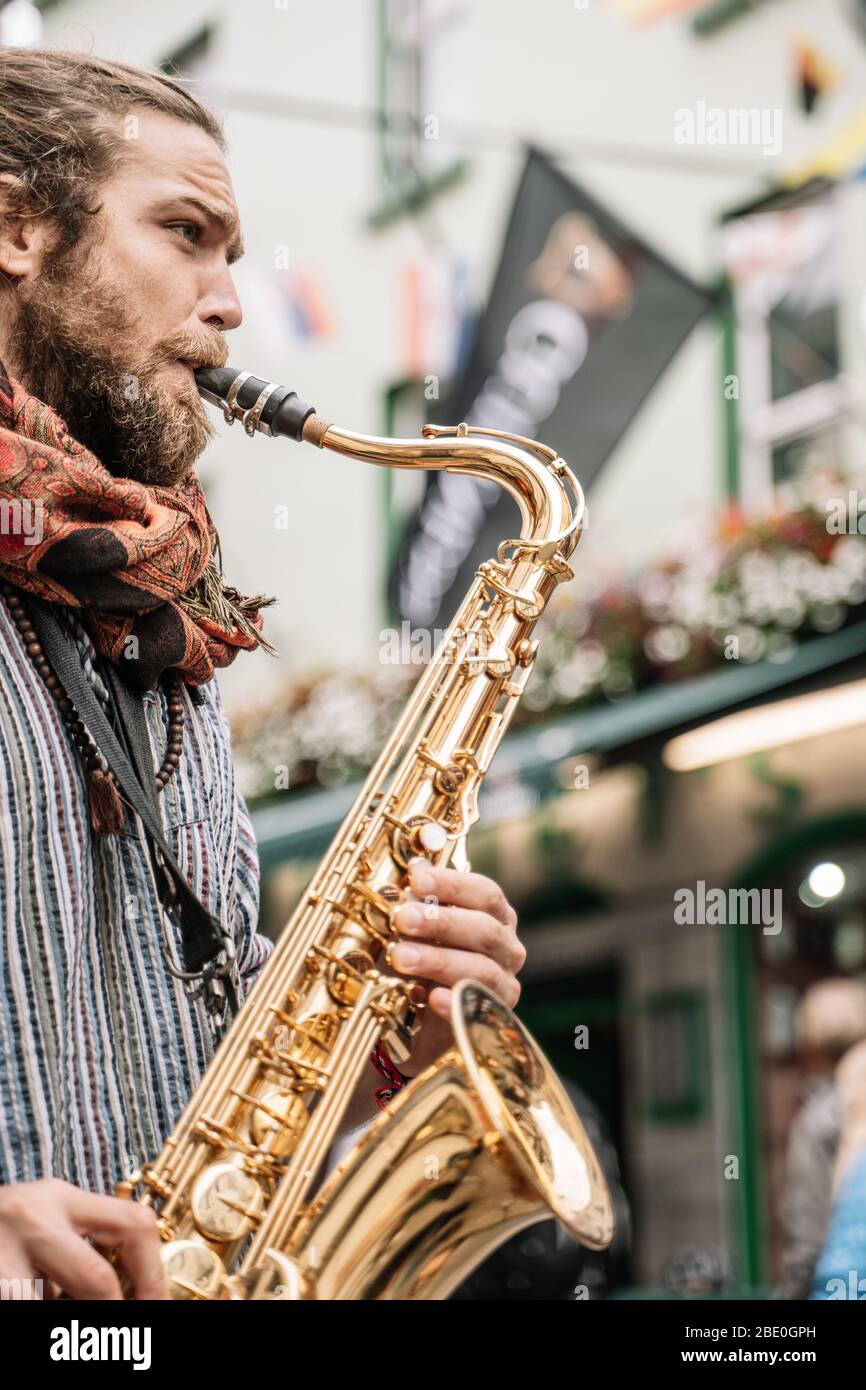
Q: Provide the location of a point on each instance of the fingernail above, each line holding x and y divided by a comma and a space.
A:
410, 917
405, 957
422, 878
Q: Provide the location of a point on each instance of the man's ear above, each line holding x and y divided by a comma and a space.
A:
24, 240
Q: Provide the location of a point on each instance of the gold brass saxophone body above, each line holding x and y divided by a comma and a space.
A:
485, 1141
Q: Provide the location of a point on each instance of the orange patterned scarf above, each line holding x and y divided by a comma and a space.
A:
141, 563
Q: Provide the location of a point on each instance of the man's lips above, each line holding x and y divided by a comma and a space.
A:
179, 366
184, 368
195, 362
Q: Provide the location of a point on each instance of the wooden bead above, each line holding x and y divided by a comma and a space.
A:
87, 749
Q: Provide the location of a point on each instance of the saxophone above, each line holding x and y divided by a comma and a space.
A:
485, 1141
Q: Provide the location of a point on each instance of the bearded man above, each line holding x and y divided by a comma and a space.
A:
118, 227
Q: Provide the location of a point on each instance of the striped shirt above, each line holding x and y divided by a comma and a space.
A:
100, 1046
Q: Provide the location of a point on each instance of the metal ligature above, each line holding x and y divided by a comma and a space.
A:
485, 1141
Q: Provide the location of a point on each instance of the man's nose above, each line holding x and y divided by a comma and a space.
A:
220, 305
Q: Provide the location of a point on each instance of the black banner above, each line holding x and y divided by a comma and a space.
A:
582, 320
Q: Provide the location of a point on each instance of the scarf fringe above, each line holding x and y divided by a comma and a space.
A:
210, 597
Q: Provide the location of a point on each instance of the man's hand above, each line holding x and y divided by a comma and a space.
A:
42, 1230
459, 925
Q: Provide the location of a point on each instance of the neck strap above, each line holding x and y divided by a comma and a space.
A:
208, 949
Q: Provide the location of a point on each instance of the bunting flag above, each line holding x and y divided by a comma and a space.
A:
304, 305
813, 73
842, 157
718, 14
432, 316
647, 11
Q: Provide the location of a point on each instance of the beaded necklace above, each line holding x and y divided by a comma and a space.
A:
103, 796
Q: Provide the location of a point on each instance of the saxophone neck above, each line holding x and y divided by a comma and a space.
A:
549, 497
548, 494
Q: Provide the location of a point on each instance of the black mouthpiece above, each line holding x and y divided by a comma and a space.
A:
282, 413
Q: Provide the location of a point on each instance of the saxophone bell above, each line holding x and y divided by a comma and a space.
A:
484, 1143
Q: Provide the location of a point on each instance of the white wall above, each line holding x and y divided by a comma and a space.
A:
548, 70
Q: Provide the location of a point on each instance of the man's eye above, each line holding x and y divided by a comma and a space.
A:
189, 231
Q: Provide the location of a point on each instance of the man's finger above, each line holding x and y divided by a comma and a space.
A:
140, 1256
462, 928
439, 1001
447, 967
130, 1229
80, 1270
15, 1263
463, 890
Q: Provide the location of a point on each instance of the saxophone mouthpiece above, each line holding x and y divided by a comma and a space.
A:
260, 405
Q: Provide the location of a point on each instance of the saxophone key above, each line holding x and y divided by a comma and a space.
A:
419, 835
226, 1203
194, 1272
278, 1121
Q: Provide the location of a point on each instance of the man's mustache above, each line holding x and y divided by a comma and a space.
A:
211, 351
202, 352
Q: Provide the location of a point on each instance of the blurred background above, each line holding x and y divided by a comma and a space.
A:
636, 230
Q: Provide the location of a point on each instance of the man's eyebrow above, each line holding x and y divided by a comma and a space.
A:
214, 212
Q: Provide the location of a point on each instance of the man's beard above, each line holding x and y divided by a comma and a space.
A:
68, 348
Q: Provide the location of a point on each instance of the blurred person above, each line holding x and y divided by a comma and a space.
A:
831, 1018
118, 228
840, 1272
